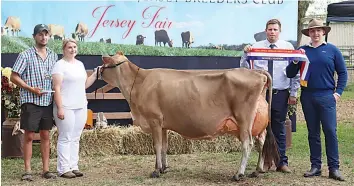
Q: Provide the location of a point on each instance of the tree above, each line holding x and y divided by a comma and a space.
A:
302, 8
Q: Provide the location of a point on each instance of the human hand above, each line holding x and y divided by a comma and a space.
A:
336, 97
37, 91
292, 100
60, 113
247, 48
302, 50
95, 69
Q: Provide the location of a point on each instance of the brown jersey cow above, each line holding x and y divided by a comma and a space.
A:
197, 105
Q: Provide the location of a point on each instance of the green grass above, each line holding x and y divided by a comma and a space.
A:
18, 44
348, 92
300, 147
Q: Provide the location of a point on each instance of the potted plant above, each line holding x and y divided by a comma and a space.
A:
10, 95
290, 123
12, 135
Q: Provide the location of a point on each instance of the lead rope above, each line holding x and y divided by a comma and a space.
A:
98, 70
131, 90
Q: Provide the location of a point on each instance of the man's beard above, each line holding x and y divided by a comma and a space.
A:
41, 45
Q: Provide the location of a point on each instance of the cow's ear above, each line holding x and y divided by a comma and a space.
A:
107, 59
120, 53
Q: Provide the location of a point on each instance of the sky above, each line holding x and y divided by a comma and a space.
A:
217, 23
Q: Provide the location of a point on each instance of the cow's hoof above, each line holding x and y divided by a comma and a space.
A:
261, 171
238, 177
254, 174
155, 174
164, 170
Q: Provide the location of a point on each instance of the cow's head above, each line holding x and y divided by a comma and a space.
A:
111, 67
141, 37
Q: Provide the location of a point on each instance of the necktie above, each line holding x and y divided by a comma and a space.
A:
270, 62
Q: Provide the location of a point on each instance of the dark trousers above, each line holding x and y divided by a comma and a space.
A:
279, 113
293, 122
321, 109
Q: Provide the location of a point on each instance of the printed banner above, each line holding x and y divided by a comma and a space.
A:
148, 27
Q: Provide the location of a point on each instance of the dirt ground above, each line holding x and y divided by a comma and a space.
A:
187, 169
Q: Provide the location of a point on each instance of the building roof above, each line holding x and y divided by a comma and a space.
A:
341, 12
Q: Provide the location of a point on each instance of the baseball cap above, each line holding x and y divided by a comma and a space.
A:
39, 28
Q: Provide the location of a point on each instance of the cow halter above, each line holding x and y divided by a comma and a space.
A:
100, 71
99, 76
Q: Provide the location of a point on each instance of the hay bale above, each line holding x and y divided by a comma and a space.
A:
177, 144
106, 141
225, 143
135, 141
132, 140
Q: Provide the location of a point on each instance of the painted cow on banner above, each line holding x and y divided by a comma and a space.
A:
187, 39
81, 31
12, 24
161, 36
56, 31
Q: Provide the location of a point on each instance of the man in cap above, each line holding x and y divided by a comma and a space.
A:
284, 89
32, 72
320, 95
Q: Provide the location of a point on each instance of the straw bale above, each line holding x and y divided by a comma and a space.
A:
132, 140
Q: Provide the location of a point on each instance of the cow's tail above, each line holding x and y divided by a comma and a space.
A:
270, 151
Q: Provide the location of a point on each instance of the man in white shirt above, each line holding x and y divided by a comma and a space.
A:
284, 89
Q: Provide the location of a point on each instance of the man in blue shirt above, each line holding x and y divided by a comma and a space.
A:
284, 89
320, 95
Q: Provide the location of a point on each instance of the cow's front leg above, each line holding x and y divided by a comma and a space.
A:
247, 143
164, 150
157, 139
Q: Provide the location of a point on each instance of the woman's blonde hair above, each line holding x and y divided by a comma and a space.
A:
68, 40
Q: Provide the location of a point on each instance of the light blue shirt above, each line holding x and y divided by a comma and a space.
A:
280, 81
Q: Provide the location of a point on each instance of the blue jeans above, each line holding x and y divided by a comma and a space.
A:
321, 109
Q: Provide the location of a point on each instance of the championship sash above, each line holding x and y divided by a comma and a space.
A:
281, 55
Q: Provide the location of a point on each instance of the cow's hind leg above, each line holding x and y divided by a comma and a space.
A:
164, 150
246, 123
247, 144
157, 139
260, 143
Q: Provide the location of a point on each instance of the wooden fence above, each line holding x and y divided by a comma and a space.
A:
102, 94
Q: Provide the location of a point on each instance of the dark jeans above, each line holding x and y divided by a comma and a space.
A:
321, 109
279, 113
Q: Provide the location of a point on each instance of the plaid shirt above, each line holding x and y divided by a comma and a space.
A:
36, 73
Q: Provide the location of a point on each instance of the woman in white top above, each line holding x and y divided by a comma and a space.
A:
70, 107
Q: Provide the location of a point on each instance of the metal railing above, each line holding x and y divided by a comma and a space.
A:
348, 54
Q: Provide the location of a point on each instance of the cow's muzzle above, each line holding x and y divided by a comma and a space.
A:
100, 70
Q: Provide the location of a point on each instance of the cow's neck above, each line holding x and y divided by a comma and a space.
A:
130, 77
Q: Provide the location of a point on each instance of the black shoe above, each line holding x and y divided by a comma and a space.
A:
335, 174
68, 175
78, 173
313, 172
